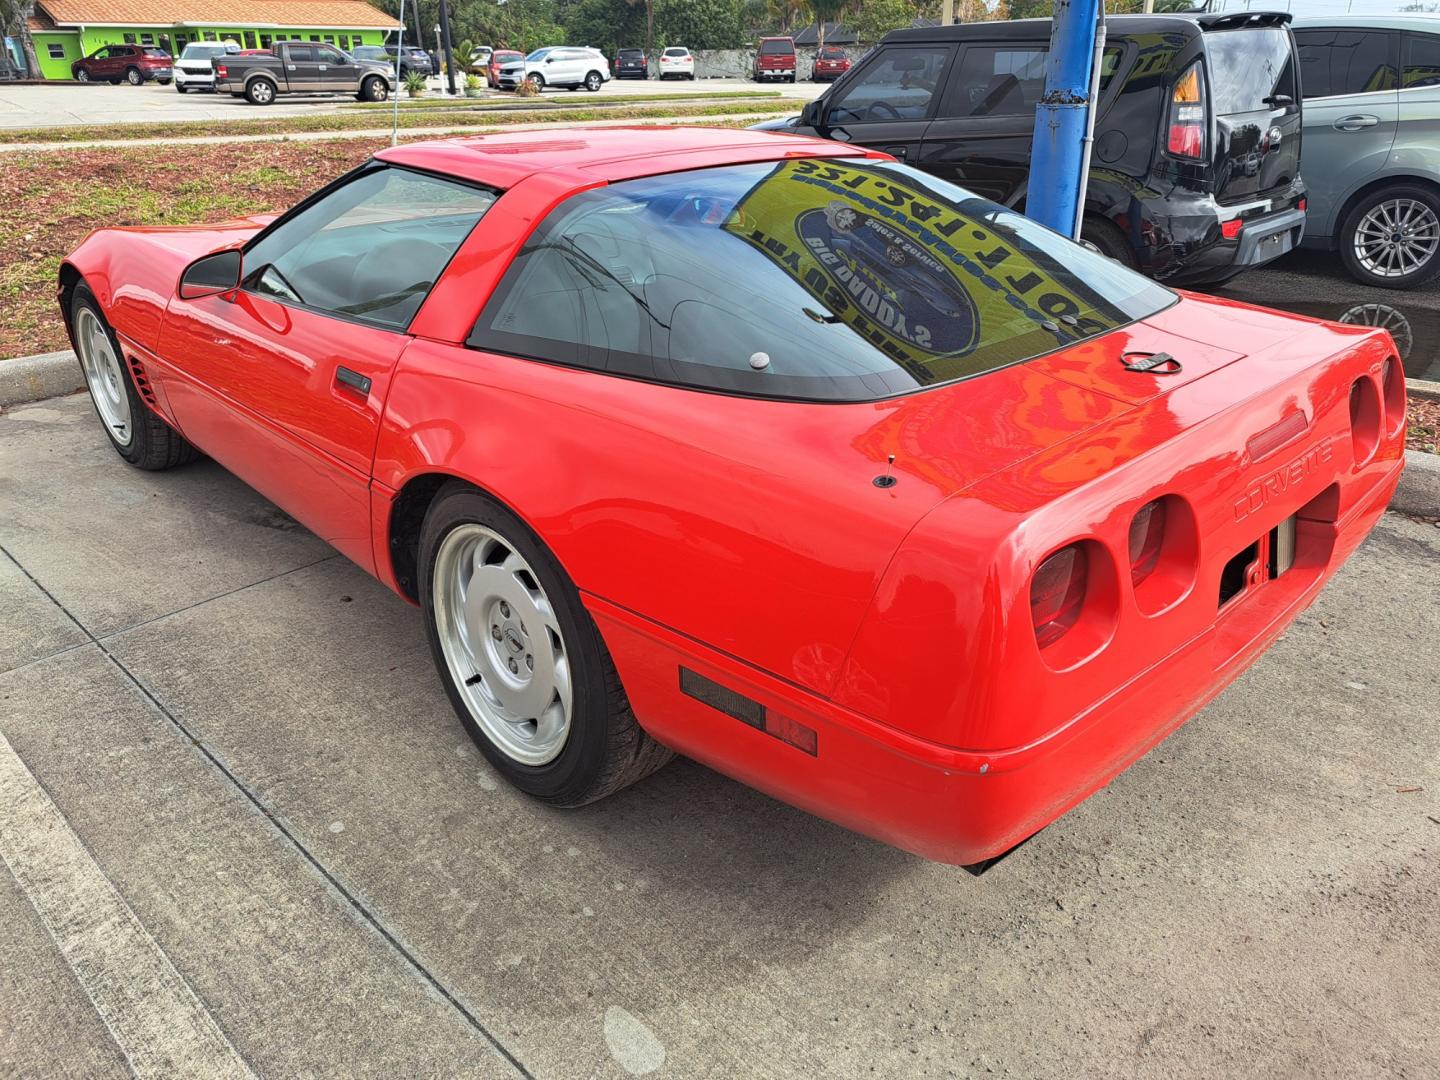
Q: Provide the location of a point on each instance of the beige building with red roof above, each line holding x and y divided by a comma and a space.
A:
67, 30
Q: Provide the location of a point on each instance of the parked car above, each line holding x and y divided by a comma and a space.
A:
1372, 156
830, 63
631, 64
479, 61
303, 67
134, 64
775, 59
677, 62
498, 59
1196, 168
194, 71
558, 65
413, 59
933, 553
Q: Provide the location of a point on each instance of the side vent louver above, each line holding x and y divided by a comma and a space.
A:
142, 382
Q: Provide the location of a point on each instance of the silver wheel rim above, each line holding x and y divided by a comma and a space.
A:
262, 92
1396, 237
83, 76
1387, 317
503, 645
104, 376
134, 78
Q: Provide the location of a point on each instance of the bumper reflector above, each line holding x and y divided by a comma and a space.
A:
737, 706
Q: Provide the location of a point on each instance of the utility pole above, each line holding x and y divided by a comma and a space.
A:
1060, 150
449, 48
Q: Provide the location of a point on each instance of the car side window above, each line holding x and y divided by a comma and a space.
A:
1422, 60
327, 55
370, 250
998, 80
300, 54
898, 84
1335, 62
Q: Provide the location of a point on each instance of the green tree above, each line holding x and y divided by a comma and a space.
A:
873, 19
699, 24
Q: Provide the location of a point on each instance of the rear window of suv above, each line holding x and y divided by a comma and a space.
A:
776, 48
1247, 66
804, 279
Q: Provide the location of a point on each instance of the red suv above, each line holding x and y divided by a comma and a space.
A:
134, 64
830, 64
775, 59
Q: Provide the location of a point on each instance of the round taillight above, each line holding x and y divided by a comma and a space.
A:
1364, 419
1057, 593
1392, 384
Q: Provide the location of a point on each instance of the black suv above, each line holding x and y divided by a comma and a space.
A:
1195, 172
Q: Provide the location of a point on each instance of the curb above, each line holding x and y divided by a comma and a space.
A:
1423, 389
31, 378
1419, 489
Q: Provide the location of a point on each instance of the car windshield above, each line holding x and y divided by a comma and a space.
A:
200, 52
811, 279
776, 48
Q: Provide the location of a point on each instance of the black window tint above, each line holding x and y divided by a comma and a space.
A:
370, 250
811, 279
300, 54
776, 48
897, 84
1004, 80
1334, 62
1246, 67
1422, 60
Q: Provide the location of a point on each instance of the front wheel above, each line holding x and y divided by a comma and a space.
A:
260, 92
82, 76
133, 76
521, 660
374, 89
138, 435
180, 88
593, 81
536, 80
1391, 239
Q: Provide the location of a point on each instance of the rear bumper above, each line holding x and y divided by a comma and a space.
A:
1186, 246
952, 805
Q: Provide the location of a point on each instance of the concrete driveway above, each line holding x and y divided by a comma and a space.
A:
246, 835
63, 105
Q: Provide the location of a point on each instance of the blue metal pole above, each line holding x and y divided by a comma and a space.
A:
1057, 154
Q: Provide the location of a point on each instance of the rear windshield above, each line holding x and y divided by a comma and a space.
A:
631, 52
806, 279
832, 54
677, 52
155, 52
776, 48
1247, 66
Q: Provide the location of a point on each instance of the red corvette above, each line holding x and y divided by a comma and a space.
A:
767, 451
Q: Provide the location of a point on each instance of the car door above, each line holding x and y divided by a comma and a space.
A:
982, 133
283, 379
562, 67
889, 102
338, 73
1417, 135
109, 62
302, 69
1350, 83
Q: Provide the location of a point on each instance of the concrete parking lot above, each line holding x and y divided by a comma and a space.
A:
64, 105
228, 769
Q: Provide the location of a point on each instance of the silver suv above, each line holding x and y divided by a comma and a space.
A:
1372, 143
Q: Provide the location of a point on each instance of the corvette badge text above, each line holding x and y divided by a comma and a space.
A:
1282, 480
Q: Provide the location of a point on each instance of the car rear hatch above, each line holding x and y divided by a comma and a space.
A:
1255, 102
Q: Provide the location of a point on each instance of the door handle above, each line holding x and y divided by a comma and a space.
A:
353, 379
1356, 122
896, 151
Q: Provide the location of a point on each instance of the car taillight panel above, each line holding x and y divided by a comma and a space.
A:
1392, 386
1164, 552
1074, 603
1187, 115
1147, 534
1057, 592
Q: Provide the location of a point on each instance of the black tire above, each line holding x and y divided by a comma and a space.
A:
133, 76
593, 81
792, 80
153, 444
1107, 238
538, 80
373, 88
1426, 271
163, 82
180, 88
260, 92
114, 82
606, 749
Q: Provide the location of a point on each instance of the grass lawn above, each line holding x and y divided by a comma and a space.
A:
559, 101
358, 120
53, 198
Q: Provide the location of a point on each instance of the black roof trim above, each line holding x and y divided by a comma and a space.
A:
1031, 28
1239, 20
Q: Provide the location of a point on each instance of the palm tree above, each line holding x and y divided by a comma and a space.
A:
825, 11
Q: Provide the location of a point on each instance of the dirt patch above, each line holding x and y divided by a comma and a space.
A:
1424, 432
54, 198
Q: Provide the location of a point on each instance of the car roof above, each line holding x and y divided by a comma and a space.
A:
1370, 22
613, 153
1115, 25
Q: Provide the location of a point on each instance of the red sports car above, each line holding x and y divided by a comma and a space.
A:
763, 450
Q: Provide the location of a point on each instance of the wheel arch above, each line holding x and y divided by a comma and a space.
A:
1369, 188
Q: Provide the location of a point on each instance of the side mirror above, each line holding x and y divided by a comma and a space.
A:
813, 114
211, 275
1278, 101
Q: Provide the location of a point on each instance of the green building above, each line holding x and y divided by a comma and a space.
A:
66, 30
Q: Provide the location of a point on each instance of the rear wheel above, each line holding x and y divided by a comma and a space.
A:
133, 76
1392, 237
260, 92
138, 435
593, 81
521, 659
1103, 235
